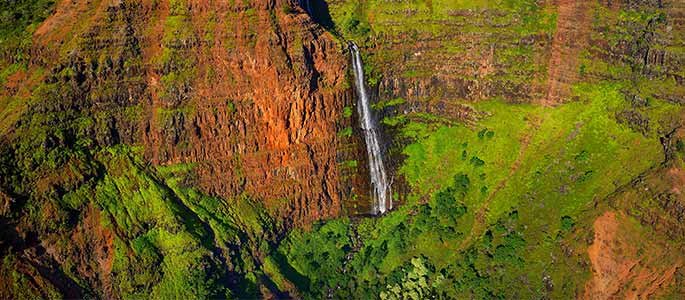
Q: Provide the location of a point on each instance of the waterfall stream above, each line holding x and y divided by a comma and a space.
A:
380, 188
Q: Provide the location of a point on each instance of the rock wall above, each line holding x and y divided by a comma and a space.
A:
239, 102
251, 94
261, 114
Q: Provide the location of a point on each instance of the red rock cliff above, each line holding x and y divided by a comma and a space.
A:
250, 92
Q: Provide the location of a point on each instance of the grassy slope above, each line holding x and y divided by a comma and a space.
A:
455, 38
534, 173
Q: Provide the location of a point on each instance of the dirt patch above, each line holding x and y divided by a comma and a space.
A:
59, 24
625, 263
572, 32
676, 177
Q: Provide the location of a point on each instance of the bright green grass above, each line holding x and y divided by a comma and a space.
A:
576, 153
532, 170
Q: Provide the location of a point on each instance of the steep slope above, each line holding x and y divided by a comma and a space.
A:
194, 83
173, 149
515, 126
159, 147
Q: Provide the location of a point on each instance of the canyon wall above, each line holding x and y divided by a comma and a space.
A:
439, 57
164, 148
159, 148
251, 94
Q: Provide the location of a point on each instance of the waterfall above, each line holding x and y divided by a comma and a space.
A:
380, 189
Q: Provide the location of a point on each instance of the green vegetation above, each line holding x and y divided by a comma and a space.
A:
347, 112
413, 251
530, 169
504, 33
496, 205
346, 132
177, 63
388, 103
18, 20
411, 231
349, 164
168, 233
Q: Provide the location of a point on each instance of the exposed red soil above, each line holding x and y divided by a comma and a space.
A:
624, 264
676, 177
571, 36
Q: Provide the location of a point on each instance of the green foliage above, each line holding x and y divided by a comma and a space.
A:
477, 161
567, 223
353, 22
313, 260
419, 282
347, 112
423, 232
350, 164
346, 132
388, 103
18, 20
395, 261
485, 133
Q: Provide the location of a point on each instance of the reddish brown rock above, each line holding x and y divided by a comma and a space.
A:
257, 113
262, 113
570, 38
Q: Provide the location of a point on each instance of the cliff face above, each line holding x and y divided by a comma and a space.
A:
440, 51
133, 129
435, 54
259, 109
171, 149
251, 94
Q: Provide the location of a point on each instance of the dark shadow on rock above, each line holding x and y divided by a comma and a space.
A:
321, 14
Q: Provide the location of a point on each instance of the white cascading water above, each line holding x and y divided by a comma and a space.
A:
380, 188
